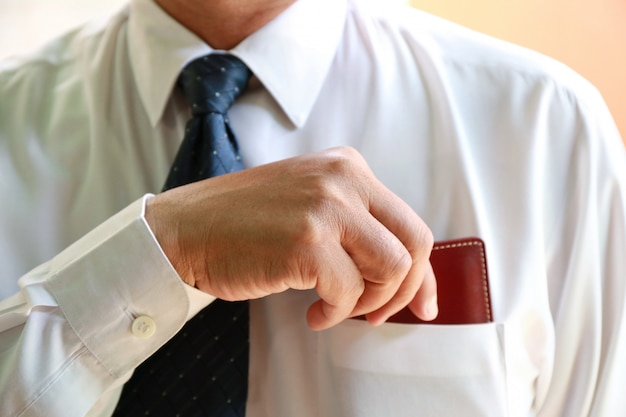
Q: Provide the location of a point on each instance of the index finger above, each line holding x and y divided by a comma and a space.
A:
339, 286
410, 229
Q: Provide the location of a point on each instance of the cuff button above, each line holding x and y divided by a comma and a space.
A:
143, 327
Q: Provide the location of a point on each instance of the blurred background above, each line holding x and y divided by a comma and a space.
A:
587, 35
26, 24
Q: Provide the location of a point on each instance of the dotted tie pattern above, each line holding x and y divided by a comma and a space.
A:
203, 370
211, 84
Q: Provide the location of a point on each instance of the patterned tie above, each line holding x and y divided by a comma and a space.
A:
203, 370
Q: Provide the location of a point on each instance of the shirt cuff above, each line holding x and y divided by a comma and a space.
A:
197, 300
115, 279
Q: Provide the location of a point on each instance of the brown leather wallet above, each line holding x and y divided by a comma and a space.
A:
460, 268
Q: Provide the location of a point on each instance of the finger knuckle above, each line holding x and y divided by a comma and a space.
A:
347, 152
354, 289
307, 234
344, 161
400, 263
427, 238
325, 200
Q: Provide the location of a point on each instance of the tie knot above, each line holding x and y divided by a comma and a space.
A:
212, 83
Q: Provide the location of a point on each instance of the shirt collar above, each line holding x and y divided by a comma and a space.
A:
291, 55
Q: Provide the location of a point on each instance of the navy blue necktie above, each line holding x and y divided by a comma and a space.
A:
203, 370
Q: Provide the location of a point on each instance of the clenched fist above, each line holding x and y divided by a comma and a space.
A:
319, 221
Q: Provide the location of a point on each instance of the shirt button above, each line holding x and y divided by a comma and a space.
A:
143, 327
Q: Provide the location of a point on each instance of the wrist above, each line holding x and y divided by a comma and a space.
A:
162, 220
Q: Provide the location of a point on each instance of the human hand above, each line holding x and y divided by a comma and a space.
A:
319, 221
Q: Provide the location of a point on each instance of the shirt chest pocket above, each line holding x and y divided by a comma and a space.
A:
412, 370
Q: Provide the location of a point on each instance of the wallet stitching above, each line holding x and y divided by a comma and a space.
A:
483, 265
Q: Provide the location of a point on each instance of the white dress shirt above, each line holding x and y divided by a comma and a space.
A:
480, 137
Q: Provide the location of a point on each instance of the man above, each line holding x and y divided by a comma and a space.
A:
477, 137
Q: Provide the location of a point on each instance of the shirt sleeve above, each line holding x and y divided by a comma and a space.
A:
84, 320
587, 270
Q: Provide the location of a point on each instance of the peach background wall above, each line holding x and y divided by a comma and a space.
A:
587, 35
